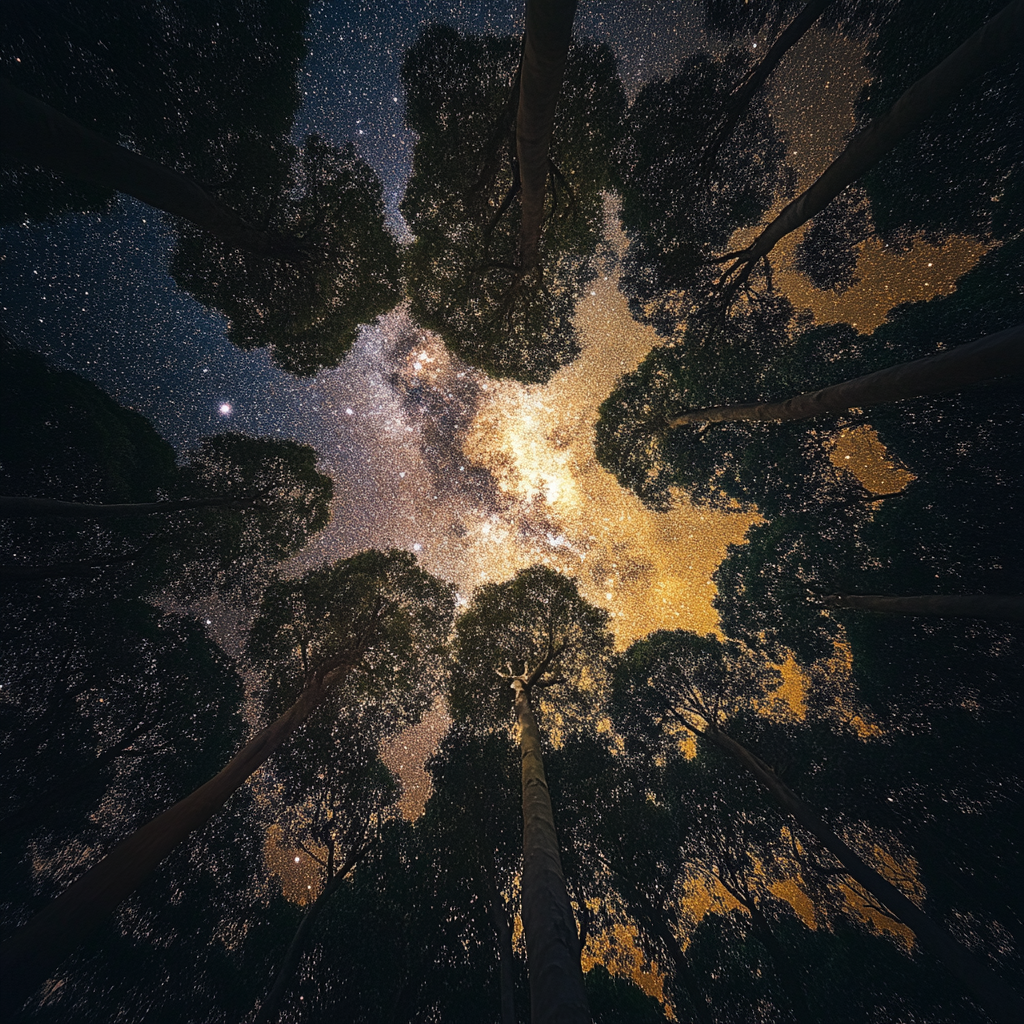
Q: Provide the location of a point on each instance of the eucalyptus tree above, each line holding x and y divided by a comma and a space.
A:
240, 505
731, 19
90, 485
784, 467
534, 631
309, 262
334, 795
998, 41
677, 214
960, 171
990, 358
779, 468
694, 683
37, 135
501, 258
418, 930
188, 946
204, 90
372, 627
340, 270
103, 691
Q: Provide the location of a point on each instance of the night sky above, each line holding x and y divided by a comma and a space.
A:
479, 478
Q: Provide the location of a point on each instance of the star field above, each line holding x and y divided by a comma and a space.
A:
479, 478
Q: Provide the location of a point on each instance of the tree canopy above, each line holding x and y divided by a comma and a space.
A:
463, 273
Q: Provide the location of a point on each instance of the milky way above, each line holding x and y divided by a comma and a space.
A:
479, 478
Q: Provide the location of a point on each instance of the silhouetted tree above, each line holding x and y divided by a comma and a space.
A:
996, 42
697, 683
465, 270
365, 622
537, 622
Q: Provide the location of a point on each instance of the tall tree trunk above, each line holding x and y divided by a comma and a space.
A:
997, 998
654, 920
788, 976
271, 1008
34, 133
740, 98
1000, 607
1000, 39
18, 508
545, 50
36, 949
503, 932
557, 995
998, 355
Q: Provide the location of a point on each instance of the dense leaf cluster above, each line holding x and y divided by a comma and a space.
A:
463, 269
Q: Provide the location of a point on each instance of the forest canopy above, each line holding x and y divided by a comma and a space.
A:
351, 670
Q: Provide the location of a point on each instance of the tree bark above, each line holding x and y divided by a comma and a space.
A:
999, 607
39, 947
998, 355
1000, 39
271, 1008
18, 507
557, 995
740, 98
36, 134
996, 997
654, 919
503, 932
788, 976
545, 50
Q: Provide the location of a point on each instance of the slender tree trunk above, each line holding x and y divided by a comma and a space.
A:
271, 1008
788, 976
997, 998
557, 995
36, 949
34, 133
998, 355
1000, 607
740, 98
18, 507
503, 932
654, 919
1000, 39
506, 958
545, 50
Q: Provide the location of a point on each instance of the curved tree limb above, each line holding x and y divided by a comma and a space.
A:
998, 40
992, 357
741, 96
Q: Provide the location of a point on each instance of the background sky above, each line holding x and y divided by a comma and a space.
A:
479, 478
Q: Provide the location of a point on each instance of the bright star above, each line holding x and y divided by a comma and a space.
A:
225, 408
